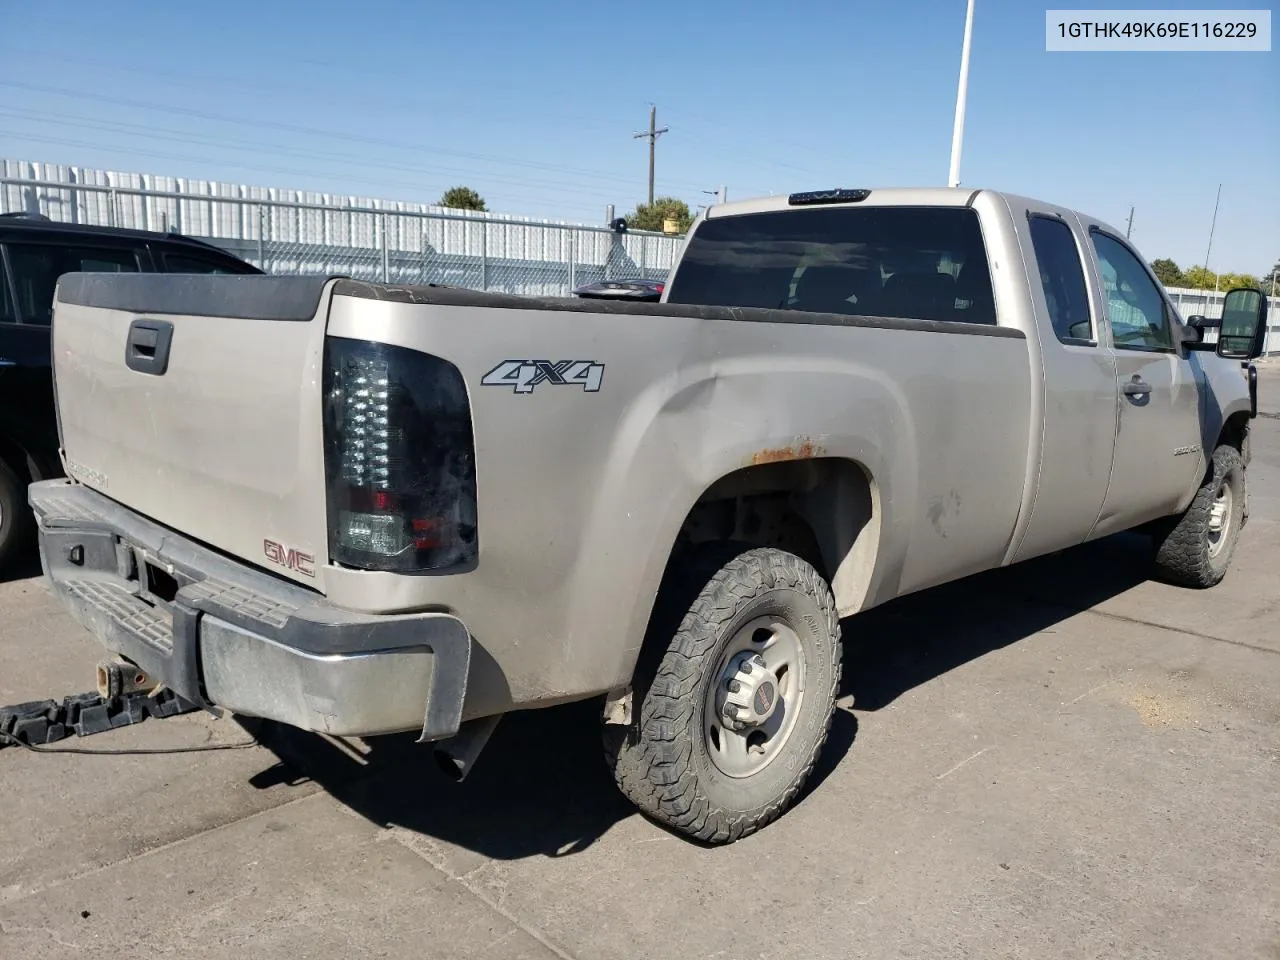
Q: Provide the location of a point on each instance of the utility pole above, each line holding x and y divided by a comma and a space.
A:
720, 193
957, 133
652, 135
1128, 230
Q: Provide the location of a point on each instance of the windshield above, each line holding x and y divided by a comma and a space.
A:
925, 263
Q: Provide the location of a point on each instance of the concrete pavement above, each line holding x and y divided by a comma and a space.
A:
1055, 760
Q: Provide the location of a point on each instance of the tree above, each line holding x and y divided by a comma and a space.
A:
646, 217
462, 198
1198, 278
1168, 272
1229, 281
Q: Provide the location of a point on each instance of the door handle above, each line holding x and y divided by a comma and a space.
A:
1137, 388
147, 348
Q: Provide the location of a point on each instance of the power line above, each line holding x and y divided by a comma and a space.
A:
260, 168
176, 136
312, 131
186, 79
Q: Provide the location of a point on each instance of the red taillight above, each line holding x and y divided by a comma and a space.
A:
399, 459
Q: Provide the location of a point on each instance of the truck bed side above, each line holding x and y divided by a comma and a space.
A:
581, 494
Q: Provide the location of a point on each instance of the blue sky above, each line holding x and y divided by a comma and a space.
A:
535, 104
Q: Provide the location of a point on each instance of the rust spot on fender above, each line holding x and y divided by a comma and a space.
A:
802, 449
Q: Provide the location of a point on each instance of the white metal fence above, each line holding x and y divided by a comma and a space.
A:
290, 231
285, 231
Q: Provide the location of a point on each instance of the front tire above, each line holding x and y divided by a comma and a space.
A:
1195, 550
731, 712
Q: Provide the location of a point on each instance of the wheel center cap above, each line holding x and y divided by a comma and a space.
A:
750, 692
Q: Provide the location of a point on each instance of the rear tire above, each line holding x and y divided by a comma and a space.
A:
1195, 549
16, 524
731, 706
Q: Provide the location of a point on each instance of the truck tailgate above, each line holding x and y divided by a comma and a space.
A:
196, 401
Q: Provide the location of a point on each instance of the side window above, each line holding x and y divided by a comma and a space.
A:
37, 267
1062, 277
8, 313
179, 263
1137, 312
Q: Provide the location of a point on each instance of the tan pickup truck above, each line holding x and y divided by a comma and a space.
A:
364, 508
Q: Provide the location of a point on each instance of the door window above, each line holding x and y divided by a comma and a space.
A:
37, 267
1137, 312
179, 263
1062, 277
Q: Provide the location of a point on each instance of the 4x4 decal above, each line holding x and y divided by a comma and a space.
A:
523, 375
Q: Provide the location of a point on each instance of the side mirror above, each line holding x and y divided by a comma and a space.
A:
1243, 328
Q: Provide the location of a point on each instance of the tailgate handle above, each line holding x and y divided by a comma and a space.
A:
147, 349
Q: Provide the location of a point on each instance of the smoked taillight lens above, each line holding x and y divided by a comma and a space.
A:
399, 459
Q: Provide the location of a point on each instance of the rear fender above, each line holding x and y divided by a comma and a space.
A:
683, 435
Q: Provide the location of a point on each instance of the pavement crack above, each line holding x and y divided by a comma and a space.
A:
8, 930
29, 892
966, 760
1138, 621
404, 838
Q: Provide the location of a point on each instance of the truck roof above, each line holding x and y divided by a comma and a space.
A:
18, 225
888, 197
881, 196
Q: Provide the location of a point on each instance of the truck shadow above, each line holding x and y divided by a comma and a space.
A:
24, 566
541, 788
912, 640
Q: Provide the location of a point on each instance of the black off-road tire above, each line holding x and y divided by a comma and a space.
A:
16, 523
1183, 554
661, 760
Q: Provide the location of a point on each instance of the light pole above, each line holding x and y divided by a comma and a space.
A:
957, 133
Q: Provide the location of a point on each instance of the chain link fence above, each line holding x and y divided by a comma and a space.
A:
459, 248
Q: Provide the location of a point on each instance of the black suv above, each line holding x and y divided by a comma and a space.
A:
34, 252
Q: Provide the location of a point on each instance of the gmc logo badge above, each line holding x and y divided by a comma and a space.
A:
289, 558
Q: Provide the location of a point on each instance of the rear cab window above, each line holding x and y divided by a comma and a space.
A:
36, 267
913, 263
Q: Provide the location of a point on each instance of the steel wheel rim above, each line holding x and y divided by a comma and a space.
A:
744, 753
1220, 518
